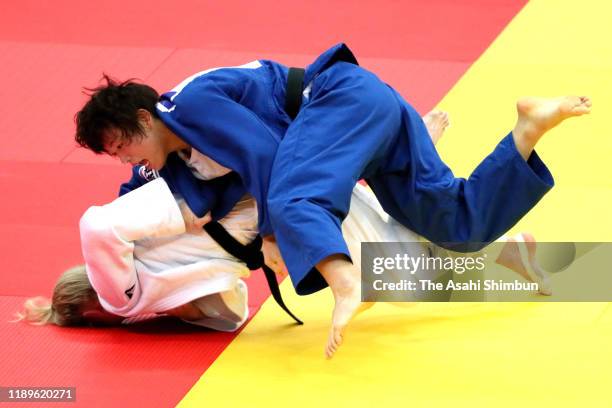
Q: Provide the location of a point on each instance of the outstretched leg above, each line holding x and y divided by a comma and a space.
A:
466, 214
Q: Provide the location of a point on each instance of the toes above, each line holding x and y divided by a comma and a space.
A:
338, 338
583, 105
585, 101
333, 342
581, 110
330, 349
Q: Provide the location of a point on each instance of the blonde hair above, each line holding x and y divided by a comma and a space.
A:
71, 293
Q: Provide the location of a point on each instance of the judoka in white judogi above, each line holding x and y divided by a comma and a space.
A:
141, 262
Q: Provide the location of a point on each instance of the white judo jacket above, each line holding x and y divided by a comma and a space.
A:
140, 261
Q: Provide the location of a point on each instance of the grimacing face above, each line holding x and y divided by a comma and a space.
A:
146, 150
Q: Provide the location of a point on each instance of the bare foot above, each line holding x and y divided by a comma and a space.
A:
344, 279
436, 123
536, 116
346, 308
524, 264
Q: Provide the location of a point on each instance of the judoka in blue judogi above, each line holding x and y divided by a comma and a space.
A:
301, 167
301, 172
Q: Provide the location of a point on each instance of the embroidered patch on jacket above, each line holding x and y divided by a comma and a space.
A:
147, 174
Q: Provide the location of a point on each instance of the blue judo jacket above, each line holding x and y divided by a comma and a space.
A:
236, 116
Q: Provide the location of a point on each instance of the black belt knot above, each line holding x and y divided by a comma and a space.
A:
254, 258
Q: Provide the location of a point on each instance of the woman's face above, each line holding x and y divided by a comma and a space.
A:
146, 150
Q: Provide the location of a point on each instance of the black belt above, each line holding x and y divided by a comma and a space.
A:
293, 96
252, 256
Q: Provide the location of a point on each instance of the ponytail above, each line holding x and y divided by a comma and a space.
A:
71, 294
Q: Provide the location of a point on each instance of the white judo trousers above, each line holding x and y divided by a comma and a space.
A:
141, 262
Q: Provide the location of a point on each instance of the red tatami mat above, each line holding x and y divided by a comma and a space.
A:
456, 30
41, 91
153, 364
50, 50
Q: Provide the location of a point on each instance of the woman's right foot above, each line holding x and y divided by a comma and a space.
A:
537, 116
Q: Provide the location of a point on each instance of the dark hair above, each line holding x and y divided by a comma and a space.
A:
113, 105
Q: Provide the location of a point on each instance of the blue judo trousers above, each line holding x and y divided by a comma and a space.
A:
351, 126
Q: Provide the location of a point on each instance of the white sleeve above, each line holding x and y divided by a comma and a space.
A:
107, 233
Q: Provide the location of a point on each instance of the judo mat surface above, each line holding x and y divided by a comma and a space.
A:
472, 58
